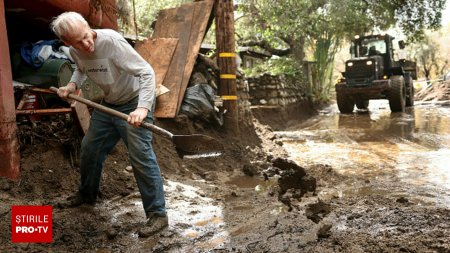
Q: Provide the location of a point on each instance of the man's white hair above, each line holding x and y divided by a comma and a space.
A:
67, 22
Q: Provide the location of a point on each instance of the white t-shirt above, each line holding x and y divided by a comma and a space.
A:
117, 69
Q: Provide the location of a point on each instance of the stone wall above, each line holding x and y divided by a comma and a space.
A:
275, 90
244, 111
203, 74
267, 89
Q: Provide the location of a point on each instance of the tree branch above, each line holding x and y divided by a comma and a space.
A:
266, 46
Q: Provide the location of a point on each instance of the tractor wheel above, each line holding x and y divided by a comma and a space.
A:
362, 104
410, 92
397, 94
345, 103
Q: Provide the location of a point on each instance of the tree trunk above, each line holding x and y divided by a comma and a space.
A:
298, 49
226, 53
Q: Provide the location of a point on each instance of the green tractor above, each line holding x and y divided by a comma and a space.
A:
372, 73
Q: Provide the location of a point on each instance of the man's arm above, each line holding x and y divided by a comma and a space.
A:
132, 62
129, 60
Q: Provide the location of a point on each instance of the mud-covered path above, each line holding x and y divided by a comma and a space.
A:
401, 154
380, 185
388, 180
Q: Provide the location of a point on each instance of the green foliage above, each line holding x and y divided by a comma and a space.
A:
316, 29
431, 54
416, 16
297, 30
326, 47
276, 66
146, 13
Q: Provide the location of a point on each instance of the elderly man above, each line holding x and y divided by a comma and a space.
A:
128, 82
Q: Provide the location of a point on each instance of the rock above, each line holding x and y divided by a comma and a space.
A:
179, 188
6, 186
290, 179
211, 176
308, 184
286, 200
292, 176
402, 200
111, 233
270, 172
250, 170
317, 211
324, 231
286, 164
271, 136
200, 193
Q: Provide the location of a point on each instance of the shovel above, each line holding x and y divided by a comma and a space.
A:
189, 146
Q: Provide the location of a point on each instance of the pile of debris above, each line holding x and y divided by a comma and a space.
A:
439, 91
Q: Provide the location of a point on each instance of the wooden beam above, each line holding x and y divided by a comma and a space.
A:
44, 111
171, 23
9, 145
187, 23
158, 52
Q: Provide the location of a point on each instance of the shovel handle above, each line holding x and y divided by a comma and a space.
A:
117, 114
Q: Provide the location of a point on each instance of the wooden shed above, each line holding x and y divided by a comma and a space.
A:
28, 21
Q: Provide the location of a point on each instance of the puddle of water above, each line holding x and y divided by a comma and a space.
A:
214, 220
214, 242
192, 215
256, 183
192, 234
410, 149
204, 216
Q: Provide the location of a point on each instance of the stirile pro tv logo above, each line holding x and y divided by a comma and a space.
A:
31, 224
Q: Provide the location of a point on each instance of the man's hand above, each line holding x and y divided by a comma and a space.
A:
137, 116
64, 91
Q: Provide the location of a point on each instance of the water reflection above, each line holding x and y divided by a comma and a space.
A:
193, 208
410, 150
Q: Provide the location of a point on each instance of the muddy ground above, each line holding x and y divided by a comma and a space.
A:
253, 198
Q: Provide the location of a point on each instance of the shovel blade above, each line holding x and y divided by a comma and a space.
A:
197, 145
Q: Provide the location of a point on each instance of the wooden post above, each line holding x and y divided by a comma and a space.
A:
226, 60
9, 145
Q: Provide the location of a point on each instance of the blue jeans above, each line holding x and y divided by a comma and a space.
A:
103, 134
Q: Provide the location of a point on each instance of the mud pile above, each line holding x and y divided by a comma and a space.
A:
50, 173
251, 199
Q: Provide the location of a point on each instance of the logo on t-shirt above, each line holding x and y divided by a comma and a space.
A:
101, 71
96, 70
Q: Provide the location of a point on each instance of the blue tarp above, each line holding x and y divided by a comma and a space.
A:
35, 54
